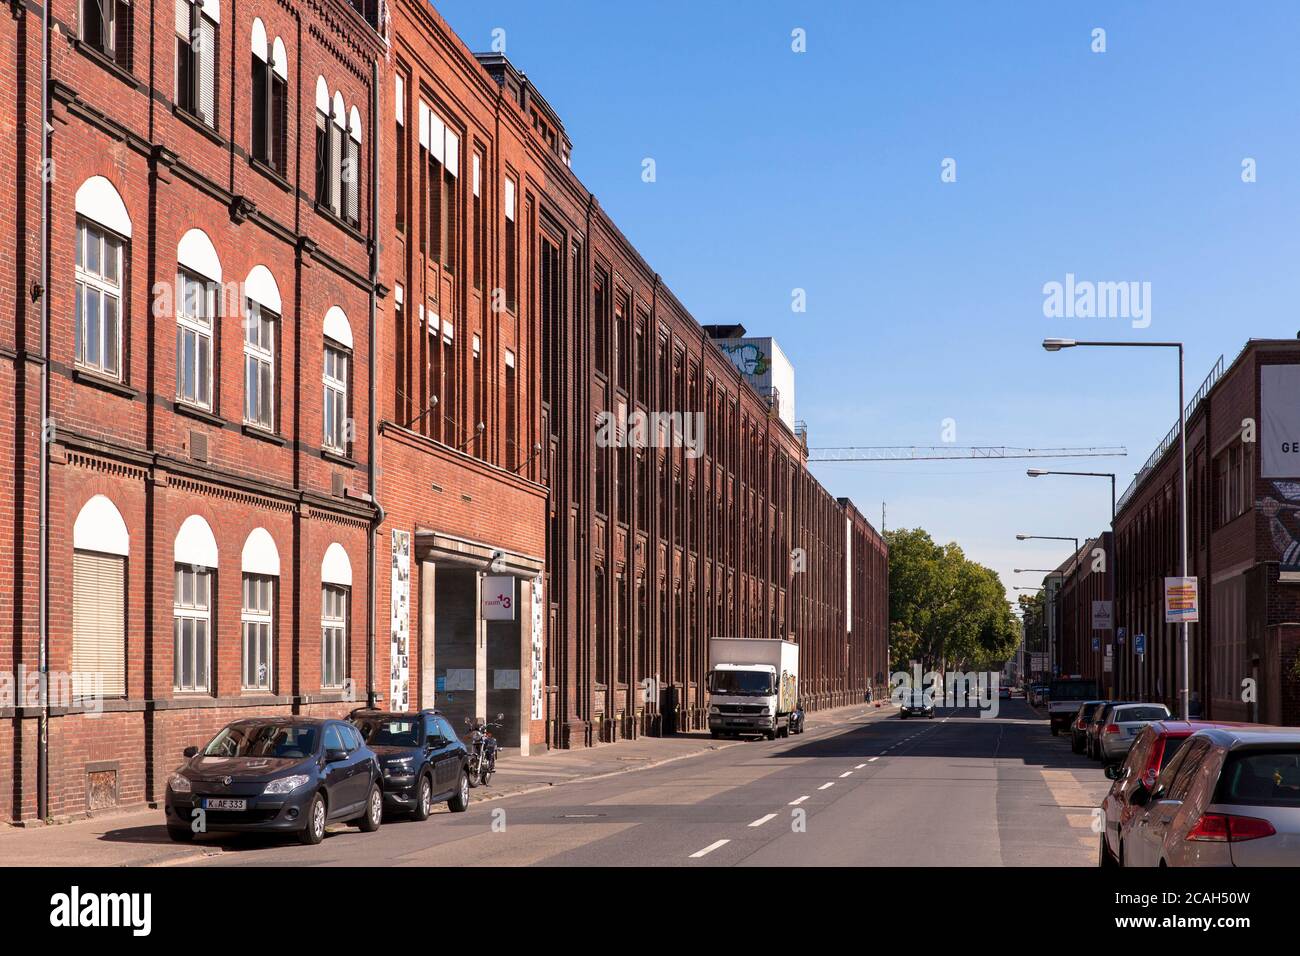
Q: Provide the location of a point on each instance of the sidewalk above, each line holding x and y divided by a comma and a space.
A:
139, 838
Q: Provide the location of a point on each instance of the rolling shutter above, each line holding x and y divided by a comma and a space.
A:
99, 622
207, 71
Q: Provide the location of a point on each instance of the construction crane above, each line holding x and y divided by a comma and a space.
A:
948, 452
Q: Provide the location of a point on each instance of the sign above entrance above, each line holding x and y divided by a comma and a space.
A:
498, 597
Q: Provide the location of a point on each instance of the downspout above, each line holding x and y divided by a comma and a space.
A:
378, 517
43, 625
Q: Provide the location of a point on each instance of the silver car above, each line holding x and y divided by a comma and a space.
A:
1230, 797
1123, 724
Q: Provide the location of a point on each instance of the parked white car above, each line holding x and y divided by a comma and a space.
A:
1230, 797
1123, 724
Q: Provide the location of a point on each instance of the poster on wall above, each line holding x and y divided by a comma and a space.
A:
538, 704
1279, 428
498, 597
399, 692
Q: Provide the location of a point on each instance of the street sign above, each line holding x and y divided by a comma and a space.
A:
1181, 604
1096, 643
1140, 644
1121, 634
1103, 615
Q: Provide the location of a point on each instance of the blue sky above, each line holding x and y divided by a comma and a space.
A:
821, 171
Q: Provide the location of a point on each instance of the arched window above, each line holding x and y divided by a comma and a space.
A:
195, 557
338, 155
270, 99
198, 282
103, 240
105, 27
261, 569
196, 58
337, 373
336, 587
100, 546
262, 310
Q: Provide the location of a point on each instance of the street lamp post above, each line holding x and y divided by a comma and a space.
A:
1050, 537
1113, 569
1055, 345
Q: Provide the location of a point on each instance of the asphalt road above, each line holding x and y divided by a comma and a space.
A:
956, 790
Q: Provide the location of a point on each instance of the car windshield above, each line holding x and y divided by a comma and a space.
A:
392, 732
263, 740
1129, 714
1269, 777
1088, 709
741, 683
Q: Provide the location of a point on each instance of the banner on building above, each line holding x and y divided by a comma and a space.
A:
1181, 603
1279, 427
498, 597
399, 687
1103, 615
537, 671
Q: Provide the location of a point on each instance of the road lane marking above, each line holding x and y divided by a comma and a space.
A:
846, 773
861, 765
873, 760
708, 849
795, 803
761, 820
827, 786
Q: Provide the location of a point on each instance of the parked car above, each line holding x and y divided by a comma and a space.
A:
1079, 726
1154, 748
1004, 692
1230, 797
1123, 725
276, 774
1035, 694
1096, 724
422, 760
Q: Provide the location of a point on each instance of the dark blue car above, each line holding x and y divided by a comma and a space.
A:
422, 760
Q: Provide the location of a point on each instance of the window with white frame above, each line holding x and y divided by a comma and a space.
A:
270, 98
196, 59
256, 624
259, 365
336, 398
196, 305
99, 299
334, 635
192, 628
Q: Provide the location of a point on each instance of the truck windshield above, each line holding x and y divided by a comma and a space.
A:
741, 683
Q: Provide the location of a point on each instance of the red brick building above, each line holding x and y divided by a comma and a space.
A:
1243, 490
207, 291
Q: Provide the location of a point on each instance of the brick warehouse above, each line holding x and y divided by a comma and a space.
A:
1243, 488
468, 309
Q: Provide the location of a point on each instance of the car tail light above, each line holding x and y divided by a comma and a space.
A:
1079, 723
1226, 828
1111, 729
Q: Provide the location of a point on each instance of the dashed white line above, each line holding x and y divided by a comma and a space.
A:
846, 773
826, 785
861, 765
708, 849
873, 760
761, 820
795, 803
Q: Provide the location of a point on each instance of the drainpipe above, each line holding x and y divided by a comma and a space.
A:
43, 622
378, 519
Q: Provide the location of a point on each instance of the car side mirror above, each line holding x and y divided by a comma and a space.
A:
334, 755
190, 752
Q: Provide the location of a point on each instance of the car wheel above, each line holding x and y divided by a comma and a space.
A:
714, 734
423, 799
460, 802
374, 815
314, 831
181, 834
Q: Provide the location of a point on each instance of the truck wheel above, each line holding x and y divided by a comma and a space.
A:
714, 734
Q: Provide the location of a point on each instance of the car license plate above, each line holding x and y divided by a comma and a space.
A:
224, 803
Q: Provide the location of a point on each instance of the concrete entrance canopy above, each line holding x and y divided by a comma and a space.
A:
471, 667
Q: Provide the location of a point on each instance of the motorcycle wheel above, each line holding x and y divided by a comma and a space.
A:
484, 778
472, 767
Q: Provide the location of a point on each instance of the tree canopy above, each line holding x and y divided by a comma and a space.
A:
945, 610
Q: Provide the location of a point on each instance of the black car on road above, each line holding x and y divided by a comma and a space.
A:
422, 759
276, 774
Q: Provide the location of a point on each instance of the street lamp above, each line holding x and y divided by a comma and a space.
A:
1055, 345
1049, 537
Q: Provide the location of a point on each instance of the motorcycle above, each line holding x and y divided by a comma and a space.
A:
482, 750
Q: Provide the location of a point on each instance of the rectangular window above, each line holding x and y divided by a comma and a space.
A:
98, 624
479, 390
259, 366
480, 252
334, 636
336, 399
106, 28
98, 332
196, 65
350, 208
399, 108
256, 624
512, 439
195, 309
598, 320
323, 163
512, 263
448, 395
192, 629
270, 112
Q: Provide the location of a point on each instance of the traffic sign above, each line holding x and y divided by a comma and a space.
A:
1140, 644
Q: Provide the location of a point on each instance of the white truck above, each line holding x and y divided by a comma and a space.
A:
753, 687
